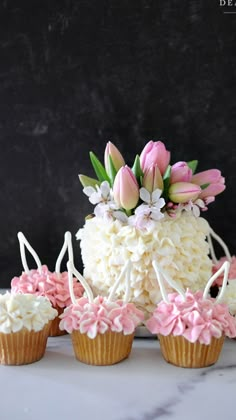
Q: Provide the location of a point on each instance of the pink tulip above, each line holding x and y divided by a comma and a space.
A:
212, 177
212, 190
117, 158
182, 192
152, 179
180, 172
155, 153
126, 189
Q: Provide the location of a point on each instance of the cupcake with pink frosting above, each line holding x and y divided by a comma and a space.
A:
102, 329
191, 327
42, 282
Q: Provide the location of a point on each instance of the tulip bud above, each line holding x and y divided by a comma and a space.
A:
180, 172
126, 189
155, 153
182, 192
212, 176
116, 157
214, 179
152, 179
212, 190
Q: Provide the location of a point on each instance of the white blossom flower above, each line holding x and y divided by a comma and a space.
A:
147, 214
99, 194
152, 199
121, 216
194, 207
106, 207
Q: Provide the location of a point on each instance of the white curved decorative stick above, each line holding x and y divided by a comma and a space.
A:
223, 245
72, 270
211, 248
117, 282
224, 283
225, 267
161, 283
127, 280
70, 282
66, 246
159, 270
24, 243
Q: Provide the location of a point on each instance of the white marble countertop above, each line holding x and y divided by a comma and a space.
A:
143, 387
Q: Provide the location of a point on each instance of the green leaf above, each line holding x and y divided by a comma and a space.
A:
98, 167
166, 182
192, 164
86, 181
112, 169
204, 186
136, 169
167, 173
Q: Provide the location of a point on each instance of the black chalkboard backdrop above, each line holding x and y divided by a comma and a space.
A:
76, 74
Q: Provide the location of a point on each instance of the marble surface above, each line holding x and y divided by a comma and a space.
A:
143, 387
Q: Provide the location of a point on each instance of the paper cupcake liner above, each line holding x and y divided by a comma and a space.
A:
104, 349
23, 347
180, 352
54, 329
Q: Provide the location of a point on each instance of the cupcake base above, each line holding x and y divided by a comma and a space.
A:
104, 349
178, 351
23, 347
54, 329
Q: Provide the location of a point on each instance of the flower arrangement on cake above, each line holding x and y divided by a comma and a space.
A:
150, 211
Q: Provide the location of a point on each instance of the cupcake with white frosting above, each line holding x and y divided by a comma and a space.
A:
229, 297
102, 329
25, 321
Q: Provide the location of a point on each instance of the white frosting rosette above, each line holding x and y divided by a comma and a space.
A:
230, 296
178, 245
18, 311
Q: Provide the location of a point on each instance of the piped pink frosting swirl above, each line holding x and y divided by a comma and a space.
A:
28, 282
232, 270
52, 285
196, 319
100, 316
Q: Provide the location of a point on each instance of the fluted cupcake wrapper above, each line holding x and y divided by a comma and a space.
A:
181, 352
54, 329
104, 349
23, 347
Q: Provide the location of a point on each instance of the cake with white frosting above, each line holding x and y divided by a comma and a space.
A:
179, 244
148, 211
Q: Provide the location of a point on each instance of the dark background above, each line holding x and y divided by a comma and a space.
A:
76, 74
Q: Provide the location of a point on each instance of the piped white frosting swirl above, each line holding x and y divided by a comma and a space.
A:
229, 297
28, 311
